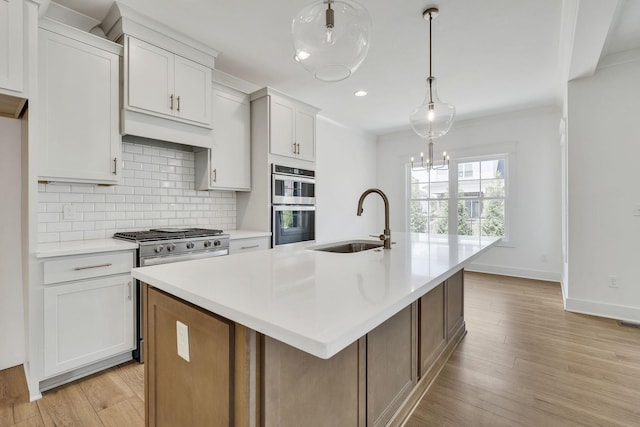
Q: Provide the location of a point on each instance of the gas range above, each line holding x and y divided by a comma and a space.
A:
168, 245
162, 242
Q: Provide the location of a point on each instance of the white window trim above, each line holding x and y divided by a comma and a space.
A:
487, 152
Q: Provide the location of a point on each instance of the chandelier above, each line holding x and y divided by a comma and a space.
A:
331, 38
433, 118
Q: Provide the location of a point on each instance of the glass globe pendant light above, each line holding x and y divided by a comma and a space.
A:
331, 38
433, 118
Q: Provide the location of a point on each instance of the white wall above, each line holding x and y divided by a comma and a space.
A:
345, 167
604, 191
534, 249
11, 305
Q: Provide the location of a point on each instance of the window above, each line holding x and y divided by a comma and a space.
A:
472, 194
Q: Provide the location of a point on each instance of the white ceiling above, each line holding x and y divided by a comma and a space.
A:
489, 56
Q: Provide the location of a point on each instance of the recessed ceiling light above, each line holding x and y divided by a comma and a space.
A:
360, 93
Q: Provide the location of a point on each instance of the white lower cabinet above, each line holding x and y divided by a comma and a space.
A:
238, 246
91, 318
85, 322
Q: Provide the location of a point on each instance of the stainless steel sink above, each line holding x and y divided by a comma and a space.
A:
349, 246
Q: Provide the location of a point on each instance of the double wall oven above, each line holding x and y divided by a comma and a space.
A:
293, 205
165, 245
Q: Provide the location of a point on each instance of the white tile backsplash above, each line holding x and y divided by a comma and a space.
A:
157, 191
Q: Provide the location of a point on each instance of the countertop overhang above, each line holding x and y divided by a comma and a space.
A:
318, 302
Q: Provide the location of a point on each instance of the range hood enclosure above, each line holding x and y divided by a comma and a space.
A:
128, 27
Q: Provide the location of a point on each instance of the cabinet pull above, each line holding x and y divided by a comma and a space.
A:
171, 105
215, 175
249, 247
115, 166
178, 109
294, 148
93, 266
130, 294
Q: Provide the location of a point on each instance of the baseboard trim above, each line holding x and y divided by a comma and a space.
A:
75, 374
611, 311
550, 276
32, 396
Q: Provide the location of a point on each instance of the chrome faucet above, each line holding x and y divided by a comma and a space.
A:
386, 236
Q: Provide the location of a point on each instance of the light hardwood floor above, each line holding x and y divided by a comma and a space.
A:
524, 362
113, 398
527, 362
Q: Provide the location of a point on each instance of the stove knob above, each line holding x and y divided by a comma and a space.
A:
217, 243
207, 243
171, 247
159, 249
190, 245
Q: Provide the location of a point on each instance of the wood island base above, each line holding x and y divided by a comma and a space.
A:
235, 376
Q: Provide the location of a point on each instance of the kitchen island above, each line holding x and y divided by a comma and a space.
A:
295, 335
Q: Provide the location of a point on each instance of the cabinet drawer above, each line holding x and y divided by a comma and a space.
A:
87, 266
248, 245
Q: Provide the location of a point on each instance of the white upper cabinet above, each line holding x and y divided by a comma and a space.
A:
79, 138
226, 166
11, 46
305, 125
292, 128
161, 83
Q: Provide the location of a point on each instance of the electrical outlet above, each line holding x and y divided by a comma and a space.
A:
183, 340
68, 213
613, 281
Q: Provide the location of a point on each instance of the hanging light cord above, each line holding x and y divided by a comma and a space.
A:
430, 62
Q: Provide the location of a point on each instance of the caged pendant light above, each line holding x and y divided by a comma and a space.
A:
331, 38
433, 118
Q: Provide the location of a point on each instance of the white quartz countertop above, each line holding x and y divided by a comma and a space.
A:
79, 247
319, 302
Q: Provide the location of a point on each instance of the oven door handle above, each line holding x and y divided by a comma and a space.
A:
296, 178
187, 257
293, 208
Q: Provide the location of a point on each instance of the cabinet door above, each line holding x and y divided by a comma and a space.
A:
192, 91
455, 303
231, 150
306, 134
11, 47
282, 127
432, 335
87, 321
78, 86
391, 366
150, 78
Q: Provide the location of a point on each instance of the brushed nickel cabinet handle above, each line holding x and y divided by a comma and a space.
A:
115, 166
294, 148
178, 109
249, 247
215, 175
171, 105
129, 296
93, 266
